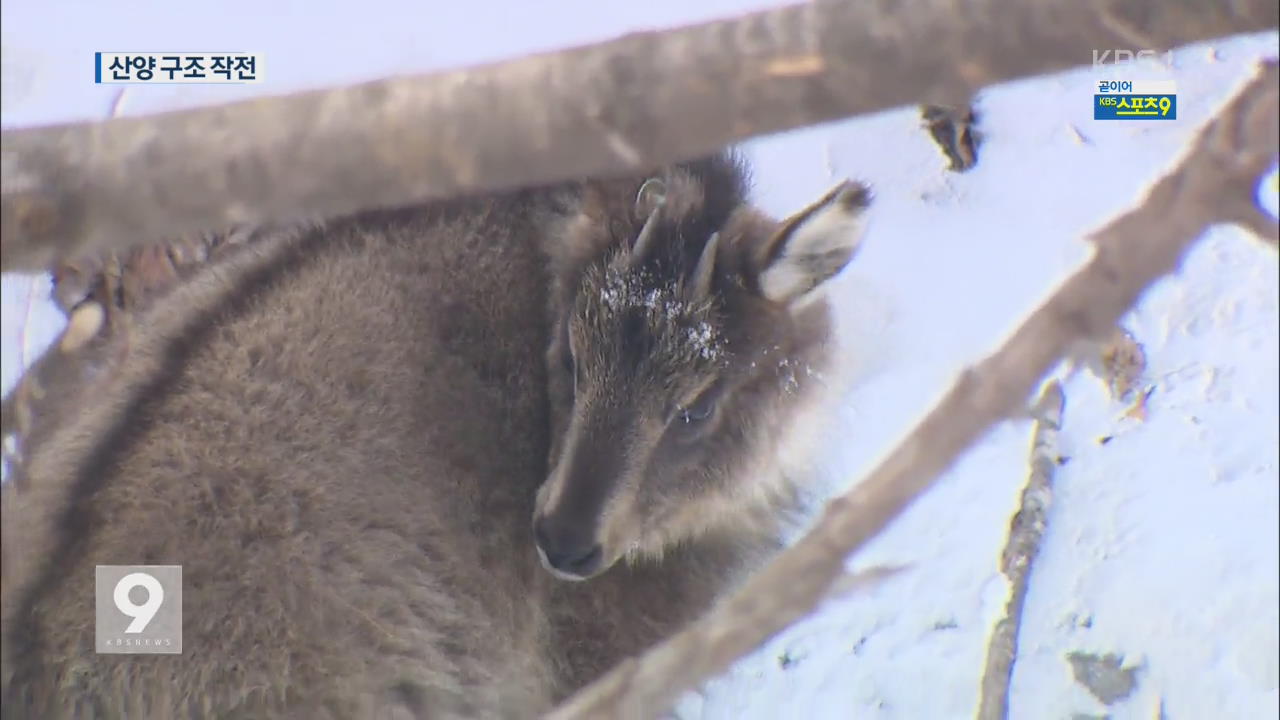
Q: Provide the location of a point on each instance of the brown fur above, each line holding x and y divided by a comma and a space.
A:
339, 432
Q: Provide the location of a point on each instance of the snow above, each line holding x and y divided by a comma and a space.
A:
1162, 543
624, 289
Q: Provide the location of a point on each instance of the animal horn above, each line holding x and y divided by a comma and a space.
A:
700, 284
644, 241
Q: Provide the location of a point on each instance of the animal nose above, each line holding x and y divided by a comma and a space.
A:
576, 561
565, 553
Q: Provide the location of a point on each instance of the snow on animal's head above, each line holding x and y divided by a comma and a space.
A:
680, 328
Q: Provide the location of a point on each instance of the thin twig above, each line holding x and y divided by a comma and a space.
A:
1131, 252
639, 101
1026, 530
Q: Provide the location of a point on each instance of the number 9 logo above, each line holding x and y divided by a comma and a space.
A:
141, 614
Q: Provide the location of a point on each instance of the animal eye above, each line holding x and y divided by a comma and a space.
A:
699, 412
651, 195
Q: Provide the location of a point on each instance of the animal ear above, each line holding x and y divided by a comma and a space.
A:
813, 245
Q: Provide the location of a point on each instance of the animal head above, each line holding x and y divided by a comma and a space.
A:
686, 329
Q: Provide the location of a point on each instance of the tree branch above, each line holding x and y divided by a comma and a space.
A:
1026, 530
1131, 252
638, 101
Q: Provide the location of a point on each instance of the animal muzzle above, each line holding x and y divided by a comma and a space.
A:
570, 518
566, 553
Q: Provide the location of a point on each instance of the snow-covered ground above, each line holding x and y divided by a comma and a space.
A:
1162, 541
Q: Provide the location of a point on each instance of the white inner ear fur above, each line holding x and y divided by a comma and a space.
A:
816, 248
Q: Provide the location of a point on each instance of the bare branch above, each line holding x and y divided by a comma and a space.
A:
1131, 253
1248, 215
1025, 533
641, 100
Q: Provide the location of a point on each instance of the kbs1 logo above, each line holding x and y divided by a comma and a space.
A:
139, 609
118, 68
1134, 98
